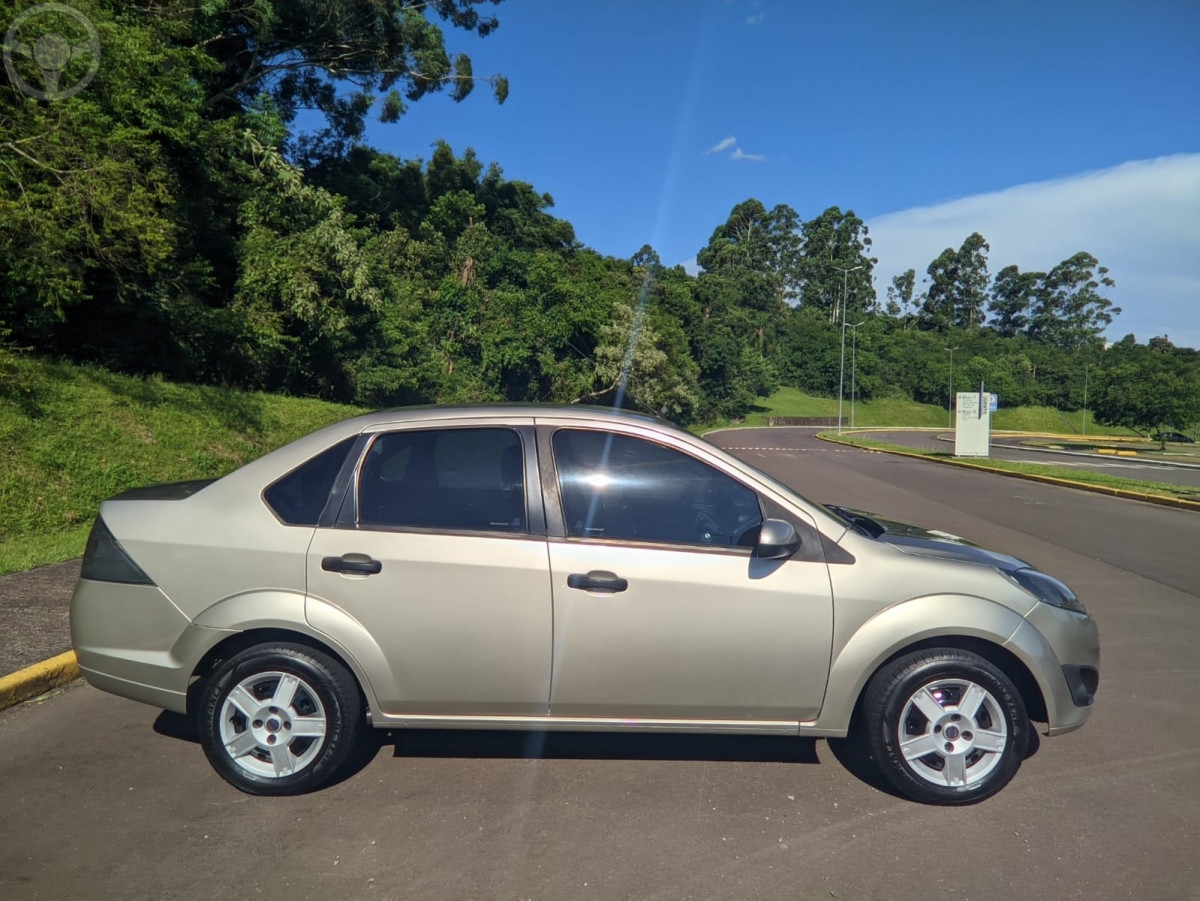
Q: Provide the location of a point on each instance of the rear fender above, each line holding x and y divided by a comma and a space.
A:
291, 611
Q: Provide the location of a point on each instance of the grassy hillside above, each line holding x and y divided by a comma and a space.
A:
894, 411
71, 436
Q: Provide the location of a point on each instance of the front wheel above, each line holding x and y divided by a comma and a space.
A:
280, 719
945, 726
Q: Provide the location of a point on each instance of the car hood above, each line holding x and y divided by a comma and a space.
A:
923, 542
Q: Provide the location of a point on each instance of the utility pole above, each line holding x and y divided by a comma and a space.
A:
950, 399
842, 376
1084, 417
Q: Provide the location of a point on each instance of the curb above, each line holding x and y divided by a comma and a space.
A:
38, 679
1161, 500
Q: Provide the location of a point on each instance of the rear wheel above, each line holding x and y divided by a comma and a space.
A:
280, 719
945, 726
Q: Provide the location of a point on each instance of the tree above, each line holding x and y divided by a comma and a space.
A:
835, 243
332, 56
759, 244
1013, 295
1147, 389
900, 295
303, 278
633, 371
1068, 309
958, 286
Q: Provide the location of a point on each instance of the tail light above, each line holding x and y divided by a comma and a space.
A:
105, 560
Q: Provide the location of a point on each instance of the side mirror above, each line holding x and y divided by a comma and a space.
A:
777, 540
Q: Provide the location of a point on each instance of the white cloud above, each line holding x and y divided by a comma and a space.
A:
739, 154
1140, 219
723, 144
730, 143
755, 19
690, 266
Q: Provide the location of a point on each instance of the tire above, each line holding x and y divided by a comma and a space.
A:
280, 719
945, 726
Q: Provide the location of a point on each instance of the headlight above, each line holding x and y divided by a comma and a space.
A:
1046, 588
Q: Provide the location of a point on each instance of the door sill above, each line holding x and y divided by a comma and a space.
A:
586, 724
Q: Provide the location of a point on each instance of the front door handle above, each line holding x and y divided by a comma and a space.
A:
359, 564
597, 581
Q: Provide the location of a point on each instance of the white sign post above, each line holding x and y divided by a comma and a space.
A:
973, 423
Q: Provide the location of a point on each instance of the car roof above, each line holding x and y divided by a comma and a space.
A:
505, 410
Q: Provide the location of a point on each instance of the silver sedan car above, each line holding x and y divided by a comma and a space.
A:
564, 568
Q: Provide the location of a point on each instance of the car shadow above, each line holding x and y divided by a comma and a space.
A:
855, 756
851, 753
440, 743
177, 725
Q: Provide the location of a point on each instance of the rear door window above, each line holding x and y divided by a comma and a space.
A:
469, 479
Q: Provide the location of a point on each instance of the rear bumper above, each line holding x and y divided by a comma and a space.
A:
125, 637
166, 699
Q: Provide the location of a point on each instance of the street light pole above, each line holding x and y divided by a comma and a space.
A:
853, 368
1085, 369
950, 399
842, 376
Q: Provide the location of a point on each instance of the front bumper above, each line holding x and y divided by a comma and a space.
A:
1062, 651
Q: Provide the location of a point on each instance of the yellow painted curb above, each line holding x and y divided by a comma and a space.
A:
37, 679
1033, 477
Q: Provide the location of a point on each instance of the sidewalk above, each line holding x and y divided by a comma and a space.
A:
34, 614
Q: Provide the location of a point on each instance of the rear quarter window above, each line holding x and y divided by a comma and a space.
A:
299, 497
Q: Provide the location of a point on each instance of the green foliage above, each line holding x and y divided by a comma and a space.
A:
305, 53
958, 281
836, 271
71, 436
1149, 388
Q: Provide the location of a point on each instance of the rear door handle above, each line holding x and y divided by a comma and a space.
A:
597, 581
359, 564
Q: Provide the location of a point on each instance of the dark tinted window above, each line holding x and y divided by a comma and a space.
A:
469, 479
614, 486
300, 496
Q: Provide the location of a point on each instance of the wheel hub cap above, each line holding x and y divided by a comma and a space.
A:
273, 724
952, 733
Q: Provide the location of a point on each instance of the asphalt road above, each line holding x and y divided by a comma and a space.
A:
104, 798
1185, 471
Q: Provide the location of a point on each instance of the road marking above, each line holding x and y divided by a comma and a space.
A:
791, 450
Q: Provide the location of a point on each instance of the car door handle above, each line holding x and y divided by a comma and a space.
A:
359, 564
597, 581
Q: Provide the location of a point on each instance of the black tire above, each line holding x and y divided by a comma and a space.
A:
293, 690
916, 704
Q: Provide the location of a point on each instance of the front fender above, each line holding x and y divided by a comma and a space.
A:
891, 631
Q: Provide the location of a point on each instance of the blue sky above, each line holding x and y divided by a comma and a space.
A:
1050, 127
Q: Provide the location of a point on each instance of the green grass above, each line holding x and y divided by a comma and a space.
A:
71, 436
905, 413
1072, 474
